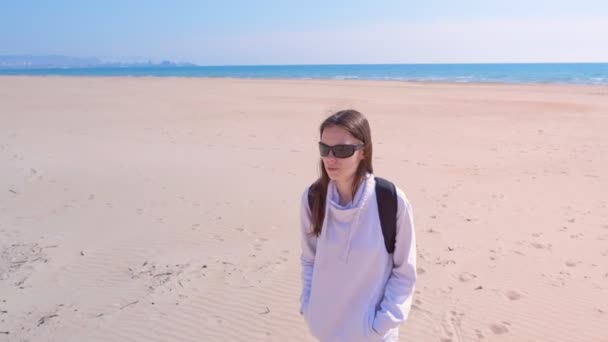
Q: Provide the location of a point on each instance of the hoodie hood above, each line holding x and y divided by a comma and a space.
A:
345, 218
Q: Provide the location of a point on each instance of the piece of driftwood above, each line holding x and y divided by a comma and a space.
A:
44, 319
132, 303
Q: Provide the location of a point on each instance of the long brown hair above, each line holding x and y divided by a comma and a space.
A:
357, 125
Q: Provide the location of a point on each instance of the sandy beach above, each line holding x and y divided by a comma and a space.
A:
166, 209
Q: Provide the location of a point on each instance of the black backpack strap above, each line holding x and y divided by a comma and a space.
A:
312, 191
386, 195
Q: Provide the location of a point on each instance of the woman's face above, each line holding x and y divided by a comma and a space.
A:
340, 169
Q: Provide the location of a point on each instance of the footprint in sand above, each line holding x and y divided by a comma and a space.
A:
498, 329
538, 245
571, 263
284, 256
441, 262
466, 276
259, 243
451, 326
513, 295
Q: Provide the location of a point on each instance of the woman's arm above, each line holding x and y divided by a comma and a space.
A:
397, 301
309, 248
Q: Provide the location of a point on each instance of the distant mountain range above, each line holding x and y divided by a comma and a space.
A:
58, 61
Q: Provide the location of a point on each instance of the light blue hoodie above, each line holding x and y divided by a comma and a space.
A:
353, 290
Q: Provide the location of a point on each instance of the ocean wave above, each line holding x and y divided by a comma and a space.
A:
595, 74
345, 77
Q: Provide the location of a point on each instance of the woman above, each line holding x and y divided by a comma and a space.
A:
353, 289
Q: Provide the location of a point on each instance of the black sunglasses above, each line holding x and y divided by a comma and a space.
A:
339, 151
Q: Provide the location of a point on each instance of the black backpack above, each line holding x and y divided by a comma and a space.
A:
386, 196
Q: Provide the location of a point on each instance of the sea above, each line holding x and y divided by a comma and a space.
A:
534, 73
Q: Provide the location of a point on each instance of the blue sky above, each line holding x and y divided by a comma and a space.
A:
310, 32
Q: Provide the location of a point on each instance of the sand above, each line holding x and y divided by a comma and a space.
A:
166, 209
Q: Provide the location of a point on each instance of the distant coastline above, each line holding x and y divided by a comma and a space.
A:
28, 62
